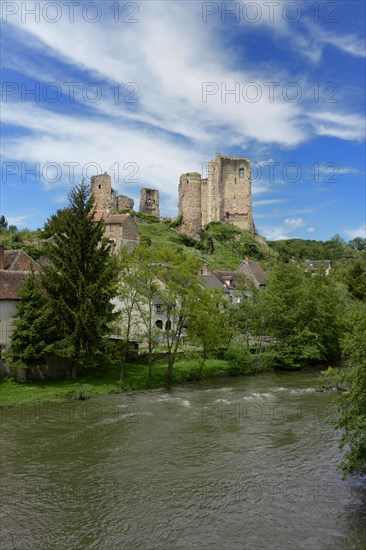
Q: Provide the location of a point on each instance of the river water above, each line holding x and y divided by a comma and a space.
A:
244, 463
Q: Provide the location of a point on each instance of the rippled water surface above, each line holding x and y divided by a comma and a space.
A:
247, 463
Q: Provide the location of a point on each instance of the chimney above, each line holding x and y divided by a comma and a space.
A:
205, 270
2, 256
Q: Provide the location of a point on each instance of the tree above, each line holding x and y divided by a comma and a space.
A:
130, 300
354, 277
29, 339
3, 222
147, 286
304, 316
358, 243
352, 419
206, 322
54, 222
178, 292
81, 282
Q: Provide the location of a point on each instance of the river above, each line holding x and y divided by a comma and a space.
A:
230, 463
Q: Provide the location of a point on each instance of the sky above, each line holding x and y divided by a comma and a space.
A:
148, 90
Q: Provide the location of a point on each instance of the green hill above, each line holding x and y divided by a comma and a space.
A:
221, 247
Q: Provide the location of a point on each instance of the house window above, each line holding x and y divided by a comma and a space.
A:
241, 172
158, 309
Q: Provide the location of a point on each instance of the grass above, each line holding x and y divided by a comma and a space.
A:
101, 383
223, 258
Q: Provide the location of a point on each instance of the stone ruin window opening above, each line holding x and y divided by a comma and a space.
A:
159, 324
158, 308
99, 186
168, 325
241, 172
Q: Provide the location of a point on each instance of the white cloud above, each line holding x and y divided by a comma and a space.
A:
266, 202
358, 232
283, 231
294, 222
311, 229
19, 220
345, 126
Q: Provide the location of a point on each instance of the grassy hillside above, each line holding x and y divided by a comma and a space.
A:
222, 246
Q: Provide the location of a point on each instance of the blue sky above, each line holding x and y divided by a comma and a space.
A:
149, 90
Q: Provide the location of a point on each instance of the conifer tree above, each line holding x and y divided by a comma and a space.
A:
80, 283
31, 324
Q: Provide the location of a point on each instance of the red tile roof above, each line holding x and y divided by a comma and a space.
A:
10, 283
116, 218
17, 266
101, 215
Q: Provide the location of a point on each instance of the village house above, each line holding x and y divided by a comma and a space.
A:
15, 266
121, 229
318, 267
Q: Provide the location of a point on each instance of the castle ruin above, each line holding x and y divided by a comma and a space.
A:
149, 202
224, 196
105, 197
121, 229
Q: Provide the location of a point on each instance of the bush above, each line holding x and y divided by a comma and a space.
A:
223, 232
175, 223
180, 238
145, 240
240, 359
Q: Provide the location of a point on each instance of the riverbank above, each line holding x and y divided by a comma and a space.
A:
100, 383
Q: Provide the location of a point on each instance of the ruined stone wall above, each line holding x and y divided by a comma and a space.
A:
215, 191
190, 204
101, 189
204, 202
124, 202
149, 202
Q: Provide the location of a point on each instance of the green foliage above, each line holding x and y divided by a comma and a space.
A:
303, 314
29, 241
145, 241
223, 232
185, 240
147, 217
29, 339
352, 419
206, 323
333, 249
175, 223
239, 358
358, 244
3, 222
80, 283
54, 222
353, 275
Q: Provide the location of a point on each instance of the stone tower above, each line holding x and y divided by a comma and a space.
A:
225, 196
230, 192
190, 203
149, 202
105, 198
101, 189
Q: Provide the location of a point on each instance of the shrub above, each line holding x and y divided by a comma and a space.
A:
240, 359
